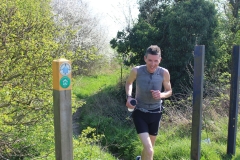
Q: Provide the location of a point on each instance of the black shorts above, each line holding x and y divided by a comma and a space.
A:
147, 122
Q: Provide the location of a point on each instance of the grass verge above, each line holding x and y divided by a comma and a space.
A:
105, 110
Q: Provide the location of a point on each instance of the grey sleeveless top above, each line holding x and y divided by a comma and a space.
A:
145, 82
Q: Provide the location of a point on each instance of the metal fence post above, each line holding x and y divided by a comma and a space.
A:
199, 55
234, 98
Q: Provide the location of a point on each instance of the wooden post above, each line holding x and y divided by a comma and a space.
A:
62, 109
234, 99
199, 54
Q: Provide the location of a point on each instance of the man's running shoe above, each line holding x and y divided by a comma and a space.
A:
138, 158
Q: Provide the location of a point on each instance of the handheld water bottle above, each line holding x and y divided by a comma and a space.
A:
133, 102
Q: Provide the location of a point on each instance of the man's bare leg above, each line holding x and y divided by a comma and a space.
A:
148, 142
153, 139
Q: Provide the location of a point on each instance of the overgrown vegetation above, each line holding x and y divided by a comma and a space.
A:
176, 28
27, 49
105, 110
86, 146
30, 41
33, 33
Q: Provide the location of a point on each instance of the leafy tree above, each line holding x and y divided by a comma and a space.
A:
27, 48
176, 28
30, 40
228, 30
87, 37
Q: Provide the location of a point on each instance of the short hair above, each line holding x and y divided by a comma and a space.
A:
154, 50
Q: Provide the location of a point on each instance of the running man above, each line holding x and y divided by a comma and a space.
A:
147, 114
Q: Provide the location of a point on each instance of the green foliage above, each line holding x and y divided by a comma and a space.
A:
190, 23
87, 61
85, 86
228, 31
28, 47
115, 130
85, 146
26, 55
173, 146
176, 28
30, 41
105, 110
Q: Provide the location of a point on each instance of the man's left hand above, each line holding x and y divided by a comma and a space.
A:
156, 94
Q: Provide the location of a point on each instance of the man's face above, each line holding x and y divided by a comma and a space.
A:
152, 62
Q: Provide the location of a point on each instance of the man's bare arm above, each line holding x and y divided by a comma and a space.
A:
129, 86
166, 84
130, 80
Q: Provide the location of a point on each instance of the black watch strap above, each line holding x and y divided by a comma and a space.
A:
128, 96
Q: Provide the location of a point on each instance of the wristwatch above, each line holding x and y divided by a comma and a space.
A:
128, 96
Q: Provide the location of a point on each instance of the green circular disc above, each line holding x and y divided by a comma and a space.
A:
65, 82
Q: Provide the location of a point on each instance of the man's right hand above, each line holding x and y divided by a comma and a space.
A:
128, 104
